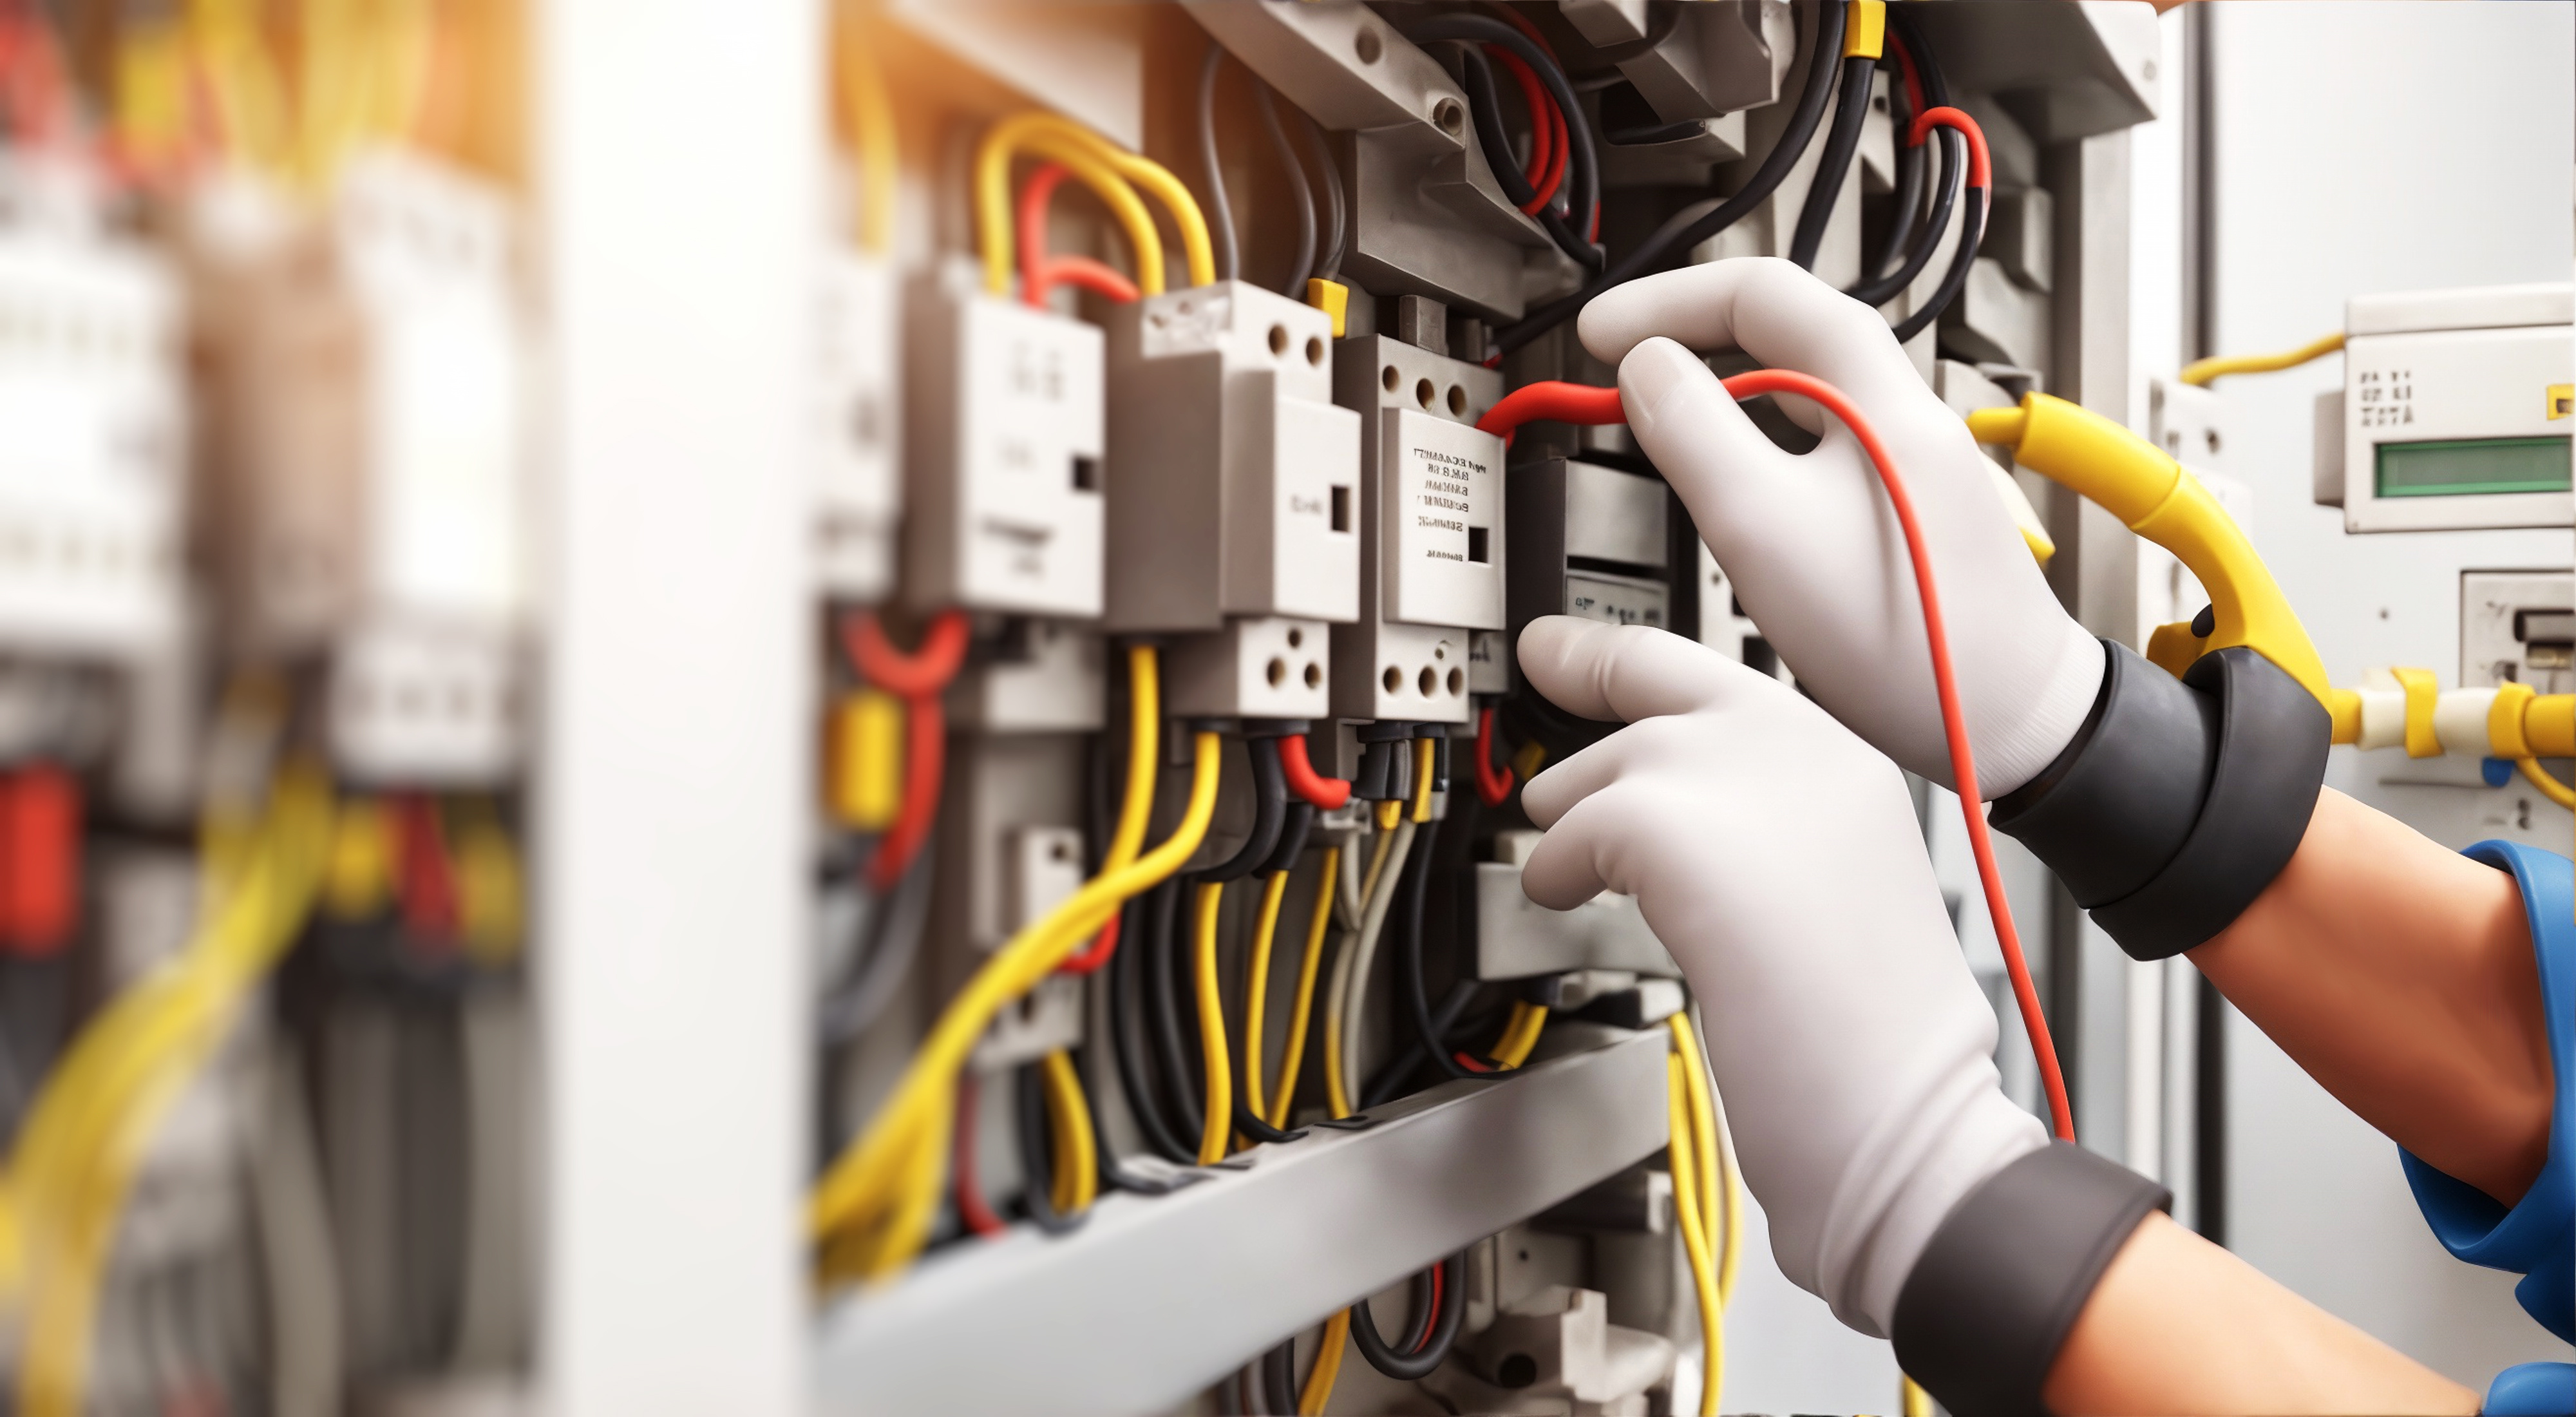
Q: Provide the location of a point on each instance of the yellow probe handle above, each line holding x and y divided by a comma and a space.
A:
2136, 482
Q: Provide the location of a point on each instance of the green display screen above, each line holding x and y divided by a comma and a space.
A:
2468, 467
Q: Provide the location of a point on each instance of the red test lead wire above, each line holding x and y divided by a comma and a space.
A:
1581, 403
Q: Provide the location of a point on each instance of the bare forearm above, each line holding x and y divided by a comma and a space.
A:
2400, 976
2178, 1325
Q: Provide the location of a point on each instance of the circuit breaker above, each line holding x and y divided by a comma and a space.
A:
1591, 541
1432, 536
1003, 454
857, 428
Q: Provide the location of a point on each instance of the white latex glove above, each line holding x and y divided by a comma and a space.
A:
1778, 858
1810, 541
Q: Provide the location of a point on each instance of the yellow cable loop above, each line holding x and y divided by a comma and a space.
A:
994, 219
1423, 751
1077, 1150
1196, 251
1694, 1236
1318, 1392
1256, 981
902, 1150
1302, 1014
2550, 787
1217, 1122
2200, 372
869, 116
1703, 1111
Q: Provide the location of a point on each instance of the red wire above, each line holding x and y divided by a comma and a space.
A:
1575, 403
1470, 1062
1040, 272
1326, 793
1546, 171
1492, 784
1913, 80
918, 679
1102, 948
1980, 167
1430, 1316
971, 1209
429, 904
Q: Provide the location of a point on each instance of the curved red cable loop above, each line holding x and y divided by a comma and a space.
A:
918, 679
1325, 793
1492, 784
926, 670
1579, 403
1041, 273
1546, 169
1913, 82
1090, 957
1980, 165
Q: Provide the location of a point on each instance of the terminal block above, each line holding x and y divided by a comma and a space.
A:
1235, 475
857, 429
91, 511
1002, 454
1592, 541
1431, 534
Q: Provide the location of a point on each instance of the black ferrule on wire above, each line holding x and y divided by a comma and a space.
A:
1430, 1349
1972, 229
1037, 1165
1583, 169
1485, 105
1220, 213
1292, 837
1825, 45
1128, 1009
1926, 238
1269, 814
1304, 203
1851, 110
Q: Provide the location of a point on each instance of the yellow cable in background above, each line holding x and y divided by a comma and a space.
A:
1218, 1121
872, 1209
2200, 372
1302, 1014
1911, 1399
1256, 981
1520, 1033
869, 116
1058, 140
2550, 787
1196, 251
1423, 756
1389, 812
1712, 1310
1077, 1159
1318, 1391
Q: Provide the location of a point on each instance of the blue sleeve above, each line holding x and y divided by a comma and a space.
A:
2536, 1238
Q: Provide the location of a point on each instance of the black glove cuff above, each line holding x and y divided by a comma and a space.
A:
2178, 802
1990, 1301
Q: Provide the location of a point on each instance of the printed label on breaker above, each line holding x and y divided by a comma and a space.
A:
1618, 601
1443, 503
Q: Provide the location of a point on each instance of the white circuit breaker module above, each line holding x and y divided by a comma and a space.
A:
2454, 411
857, 429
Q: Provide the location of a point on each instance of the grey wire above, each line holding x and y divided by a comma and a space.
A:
1328, 176
847, 1012
1220, 215
1300, 197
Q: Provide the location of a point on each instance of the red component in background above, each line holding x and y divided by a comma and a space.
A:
40, 829
426, 877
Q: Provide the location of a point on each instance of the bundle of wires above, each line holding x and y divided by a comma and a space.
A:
1561, 135
1112, 173
1706, 1204
1312, 196
76, 1157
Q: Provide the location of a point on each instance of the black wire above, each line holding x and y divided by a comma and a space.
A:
1583, 171
1113, 1177
1427, 1352
1328, 180
1396, 1072
1485, 105
1126, 980
1292, 837
1220, 213
1927, 66
1905, 213
1416, 885
1766, 179
1925, 239
1037, 1165
1170, 1029
1851, 110
1972, 229
1279, 1378
1304, 202
1269, 814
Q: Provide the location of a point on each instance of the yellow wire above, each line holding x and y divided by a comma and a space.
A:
1911, 1399
995, 221
1712, 1310
2200, 372
1219, 1117
1520, 1033
1703, 1127
1318, 1391
2550, 787
1077, 1160
1302, 1014
242, 83
1423, 754
1255, 986
1196, 251
870, 116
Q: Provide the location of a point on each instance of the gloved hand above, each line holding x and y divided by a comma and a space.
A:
1810, 542
1778, 858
